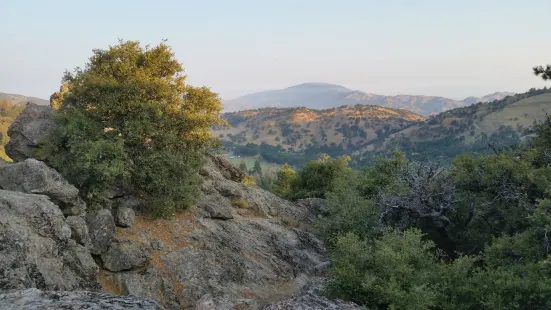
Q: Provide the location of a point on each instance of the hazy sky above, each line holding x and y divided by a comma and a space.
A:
445, 48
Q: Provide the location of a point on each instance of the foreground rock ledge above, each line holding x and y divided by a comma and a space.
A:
36, 299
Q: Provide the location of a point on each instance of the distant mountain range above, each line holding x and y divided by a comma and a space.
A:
20, 99
325, 96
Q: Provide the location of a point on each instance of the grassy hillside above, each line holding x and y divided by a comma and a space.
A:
297, 129
20, 99
501, 123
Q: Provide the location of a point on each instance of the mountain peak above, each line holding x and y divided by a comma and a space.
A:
319, 95
317, 85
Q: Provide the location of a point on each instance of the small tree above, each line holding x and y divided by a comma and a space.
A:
317, 177
128, 122
243, 166
282, 186
258, 167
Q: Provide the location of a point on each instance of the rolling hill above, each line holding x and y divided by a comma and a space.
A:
325, 96
500, 123
20, 99
487, 98
306, 131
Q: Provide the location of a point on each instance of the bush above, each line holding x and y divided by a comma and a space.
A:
316, 178
400, 270
128, 122
485, 226
282, 186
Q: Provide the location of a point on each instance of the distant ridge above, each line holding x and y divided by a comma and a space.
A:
318, 95
21, 99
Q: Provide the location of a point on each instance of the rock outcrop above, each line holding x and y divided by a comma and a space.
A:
222, 186
48, 300
125, 254
34, 177
36, 249
218, 255
239, 248
31, 124
125, 217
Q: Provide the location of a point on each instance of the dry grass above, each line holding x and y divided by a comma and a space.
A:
261, 126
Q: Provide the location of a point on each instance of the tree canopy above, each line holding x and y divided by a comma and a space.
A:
128, 122
544, 72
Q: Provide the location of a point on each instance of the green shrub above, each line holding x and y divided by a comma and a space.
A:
282, 186
316, 178
129, 122
403, 271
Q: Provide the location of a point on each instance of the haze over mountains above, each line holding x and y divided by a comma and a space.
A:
324, 96
294, 135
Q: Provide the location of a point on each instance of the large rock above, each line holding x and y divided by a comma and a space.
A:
36, 249
219, 187
101, 227
79, 230
36, 299
34, 177
32, 123
125, 255
125, 217
217, 256
239, 263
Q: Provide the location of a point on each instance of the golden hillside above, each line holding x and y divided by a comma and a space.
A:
501, 122
295, 129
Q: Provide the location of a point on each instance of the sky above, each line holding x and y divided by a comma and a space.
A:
444, 48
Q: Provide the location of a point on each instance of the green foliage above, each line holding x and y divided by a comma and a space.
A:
243, 166
349, 211
405, 235
282, 186
129, 122
400, 270
316, 178
394, 272
240, 203
257, 167
544, 72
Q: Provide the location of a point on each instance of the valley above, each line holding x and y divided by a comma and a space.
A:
297, 135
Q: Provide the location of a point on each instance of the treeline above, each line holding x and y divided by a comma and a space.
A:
280, 156
442, 143
408, 234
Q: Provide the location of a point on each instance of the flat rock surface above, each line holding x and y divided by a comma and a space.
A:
34, 299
